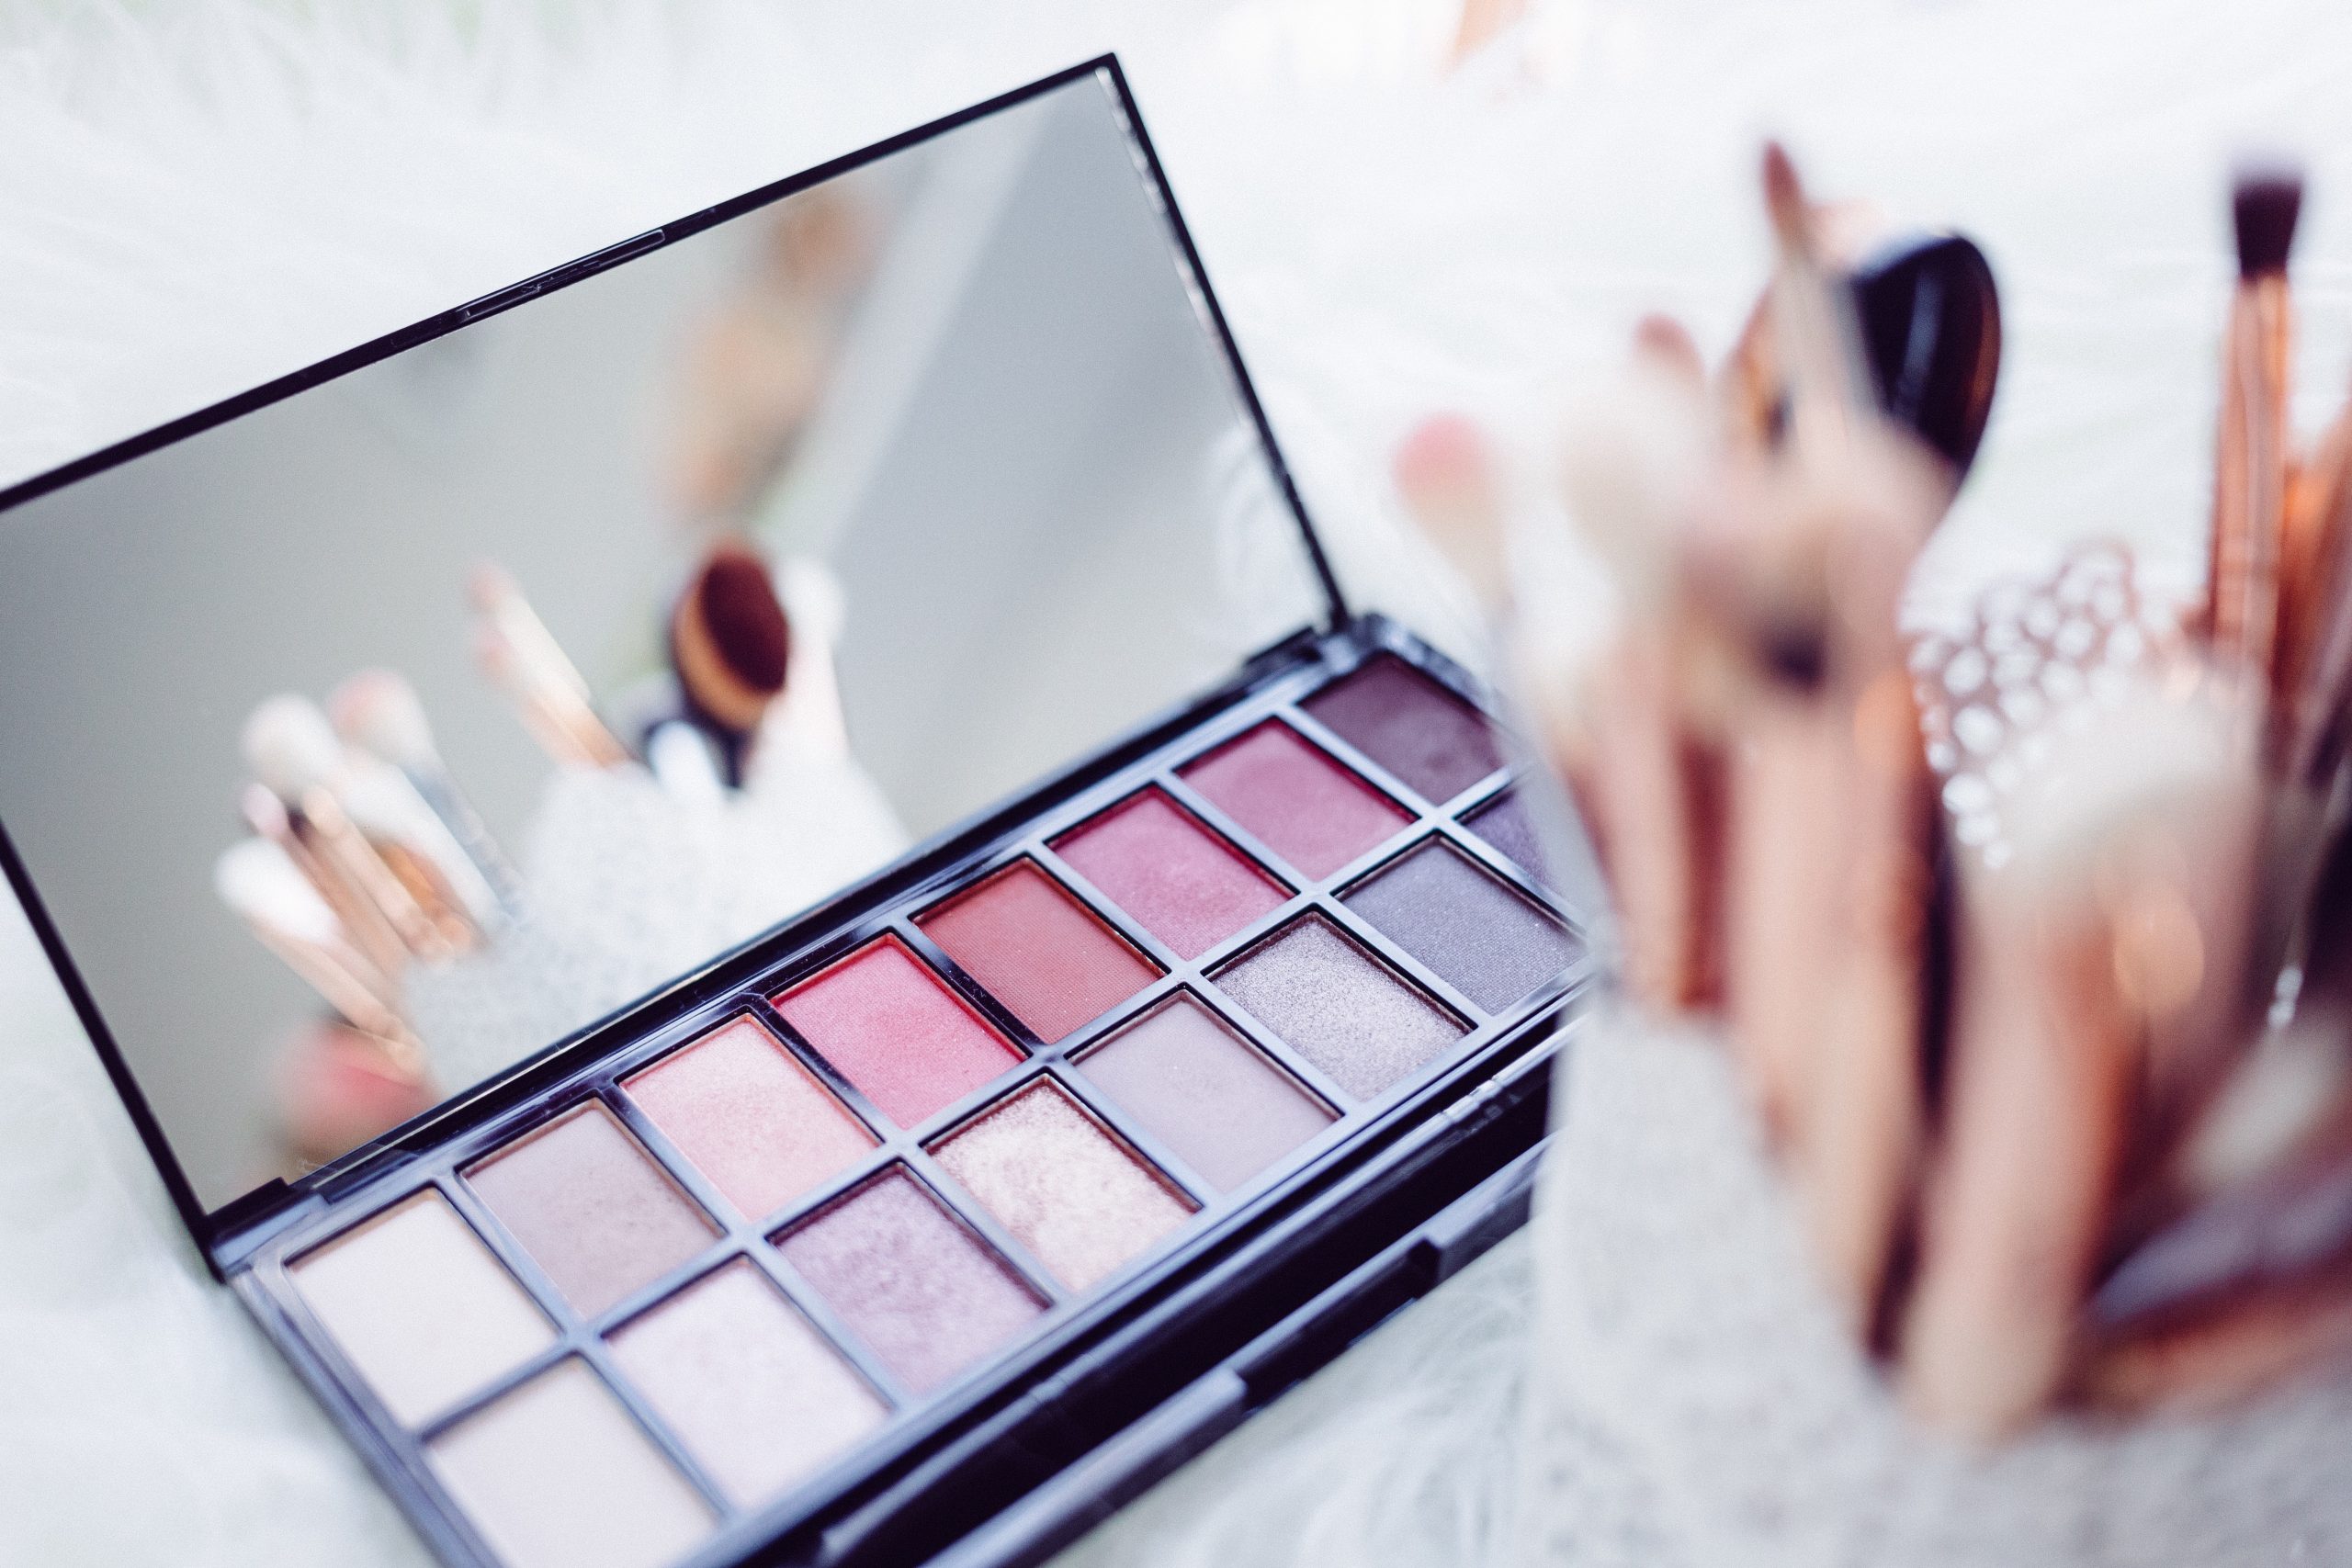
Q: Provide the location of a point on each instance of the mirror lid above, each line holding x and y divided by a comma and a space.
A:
223, 1232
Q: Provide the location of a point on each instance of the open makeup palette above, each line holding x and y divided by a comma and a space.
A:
1094, 1103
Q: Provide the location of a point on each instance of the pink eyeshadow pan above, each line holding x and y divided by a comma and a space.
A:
749, 1117
1182, 883
895, 1030
1298, 799
925, 1294
1038, 949
595, 1212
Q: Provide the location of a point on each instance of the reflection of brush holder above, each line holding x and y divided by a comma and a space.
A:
1696, 1399
629, 886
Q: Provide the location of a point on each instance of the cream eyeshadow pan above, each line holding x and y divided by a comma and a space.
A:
740, 1254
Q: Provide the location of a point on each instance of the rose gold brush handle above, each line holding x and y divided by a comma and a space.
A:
518, 652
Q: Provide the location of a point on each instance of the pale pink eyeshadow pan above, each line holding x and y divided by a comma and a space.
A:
751, 1117
1081, 1203
743, 1379
590, 1207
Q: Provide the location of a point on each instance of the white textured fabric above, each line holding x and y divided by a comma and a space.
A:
1693, 1400
195, 196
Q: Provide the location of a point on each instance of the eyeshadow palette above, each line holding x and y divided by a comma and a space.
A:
1153, 949
715, 1264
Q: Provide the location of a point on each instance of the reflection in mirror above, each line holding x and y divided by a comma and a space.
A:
480, 691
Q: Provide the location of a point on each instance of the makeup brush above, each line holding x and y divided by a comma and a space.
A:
2101, 963
516, 651
2251, 451
731, 644
269, 892
292, 750
379, 712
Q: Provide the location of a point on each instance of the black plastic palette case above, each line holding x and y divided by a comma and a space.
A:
561, 822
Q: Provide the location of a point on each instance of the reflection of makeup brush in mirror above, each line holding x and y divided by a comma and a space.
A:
731, 643
380, 711
518, 652
2250, 455
293, 750
362, 919
260, 884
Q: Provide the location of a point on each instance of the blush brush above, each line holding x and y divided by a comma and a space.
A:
731, 643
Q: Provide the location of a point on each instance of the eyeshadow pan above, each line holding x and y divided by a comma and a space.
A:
750, 1116
1487, 942
1338, 1006
1204, 1091
1504, 823
1300, 801
1182, 883
417, 1302
1037, 949
556, 1475
754, 1393
590, 1207
924, 1294
1411, 725
895, 1030
1079, 1200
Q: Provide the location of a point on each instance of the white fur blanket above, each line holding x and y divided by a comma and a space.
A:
195, 196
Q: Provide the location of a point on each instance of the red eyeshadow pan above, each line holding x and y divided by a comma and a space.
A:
1038, 949
895, 1030
1297, 798
1182, 883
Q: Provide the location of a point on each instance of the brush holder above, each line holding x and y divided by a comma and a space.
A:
1694, 1400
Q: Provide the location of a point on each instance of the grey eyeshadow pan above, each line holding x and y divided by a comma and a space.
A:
1339, 1007
1487, 942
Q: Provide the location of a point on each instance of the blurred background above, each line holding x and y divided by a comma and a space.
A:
195, 197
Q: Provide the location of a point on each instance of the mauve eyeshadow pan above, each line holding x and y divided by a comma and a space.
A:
895, 1030
592, 1210
1487, 942
1182, 883
924, 1293
750, 1116
1037, 949
1206, 1093
1406, 722
1080, 1200
1300, 801
1339, 1007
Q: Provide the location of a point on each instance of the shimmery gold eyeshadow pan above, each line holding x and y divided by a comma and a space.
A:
872, 1230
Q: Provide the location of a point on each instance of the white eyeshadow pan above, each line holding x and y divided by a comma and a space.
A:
417, 1302
556, 1475
755, 1393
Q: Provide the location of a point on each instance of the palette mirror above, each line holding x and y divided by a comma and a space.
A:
963, 406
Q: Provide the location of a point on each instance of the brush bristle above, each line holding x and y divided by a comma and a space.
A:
380, 711
2265, 205
1446, 476
291, 746
256, 880
746, 621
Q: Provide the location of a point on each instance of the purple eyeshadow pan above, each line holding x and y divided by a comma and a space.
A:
1400, 718
924, 1293
1338, 1006
1487, 942
1504, 823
